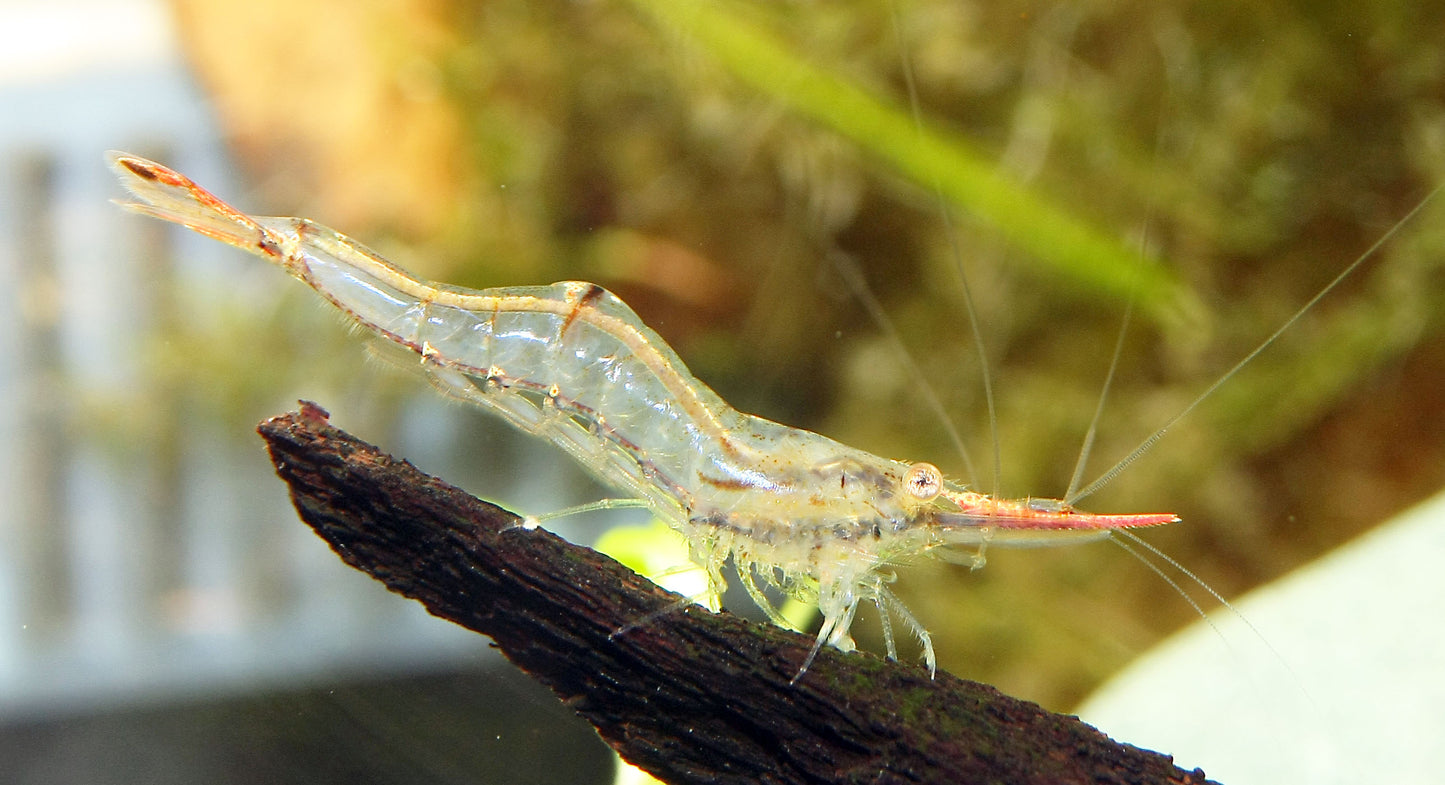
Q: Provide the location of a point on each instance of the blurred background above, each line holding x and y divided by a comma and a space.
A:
166, 618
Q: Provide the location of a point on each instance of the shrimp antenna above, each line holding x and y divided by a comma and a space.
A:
1118, 537
1153, 438
858, 284
1088, 446
1092, 432
956, 252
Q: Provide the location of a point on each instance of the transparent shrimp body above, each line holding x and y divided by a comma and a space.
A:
572, 364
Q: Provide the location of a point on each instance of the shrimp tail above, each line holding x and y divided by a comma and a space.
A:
171, 196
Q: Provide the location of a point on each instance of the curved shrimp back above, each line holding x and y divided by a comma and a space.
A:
572, 364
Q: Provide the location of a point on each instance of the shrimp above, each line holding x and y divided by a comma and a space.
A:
572, 364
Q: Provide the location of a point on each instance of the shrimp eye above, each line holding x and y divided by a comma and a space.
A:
923, 481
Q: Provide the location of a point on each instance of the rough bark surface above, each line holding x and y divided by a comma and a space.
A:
690, 696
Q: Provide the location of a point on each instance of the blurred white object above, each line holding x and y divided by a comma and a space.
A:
1348, 684
144, 548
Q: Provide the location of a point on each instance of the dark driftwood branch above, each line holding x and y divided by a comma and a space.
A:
692, 697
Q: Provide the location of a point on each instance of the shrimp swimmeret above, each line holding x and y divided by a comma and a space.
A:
572, 364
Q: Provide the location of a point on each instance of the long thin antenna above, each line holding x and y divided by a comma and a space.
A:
985, 375
853, 277
1119, 535
1092, 432
1147, 444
